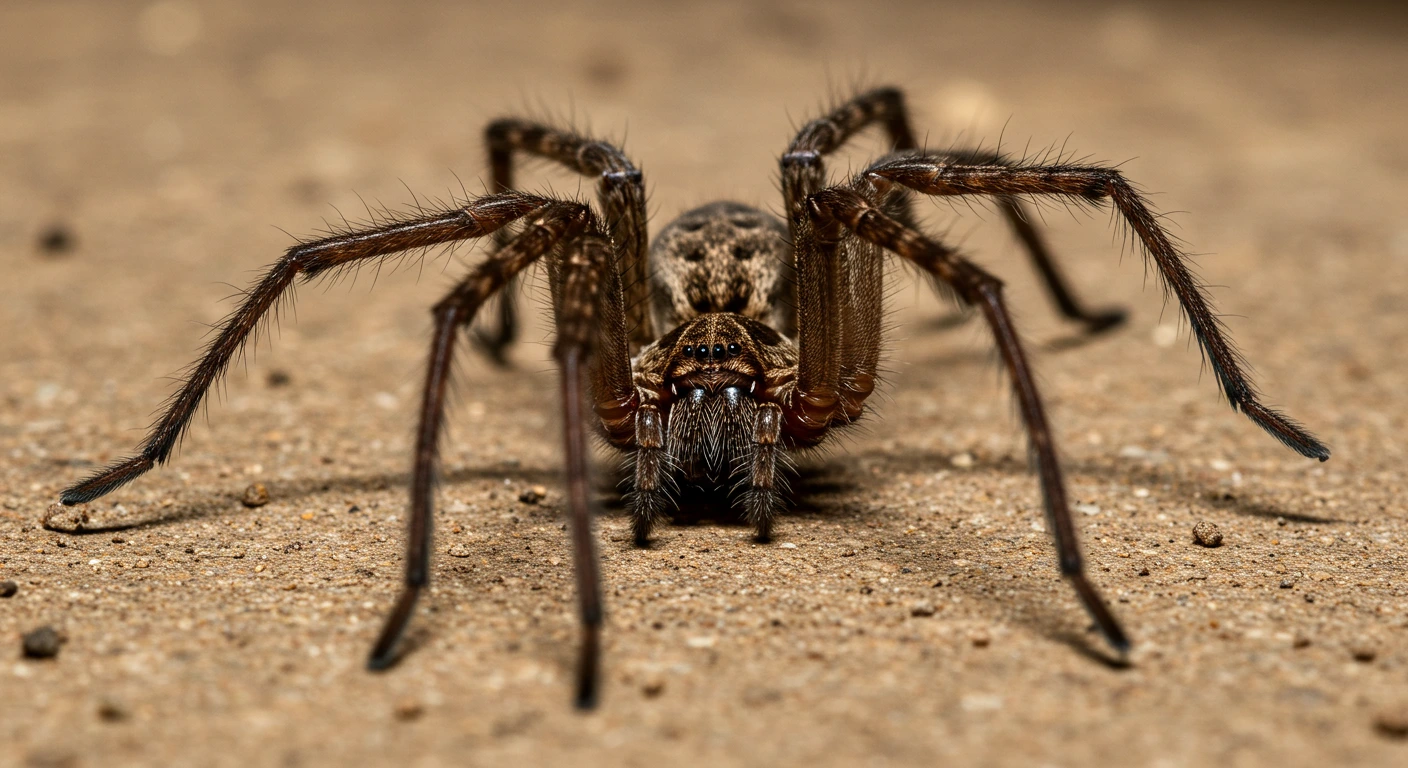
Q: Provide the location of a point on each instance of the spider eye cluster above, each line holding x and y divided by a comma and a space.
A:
704, 353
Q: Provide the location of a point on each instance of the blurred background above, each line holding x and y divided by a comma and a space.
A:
154, 156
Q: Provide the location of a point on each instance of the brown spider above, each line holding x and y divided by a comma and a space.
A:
733, 339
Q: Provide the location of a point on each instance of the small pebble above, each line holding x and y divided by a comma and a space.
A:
922, 609
65, 519
8, 588
56, 239
42, 643
962, 461
1301, 641
278, 378
409, 709
111, 711
458, 550
1392, 722
1287, 583
981, 640
255, 495
1207, 534
653, 687
533, 495
1363, 653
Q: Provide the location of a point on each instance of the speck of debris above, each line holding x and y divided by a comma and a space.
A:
1206, 534
8, 588
1300, 641
111, 711
922, 609
962, 461
65, 519
1309, 598
787, 545
1144, 570
42, 643
409, 709
458, 550
278, 378
981, 640
1287, 583
56, 240
1392, 722
1363, 653
255, 495
533, 495
653, 687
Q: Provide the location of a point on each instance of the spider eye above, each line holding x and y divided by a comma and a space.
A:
701, 353
718, 351
734, 349
688, 351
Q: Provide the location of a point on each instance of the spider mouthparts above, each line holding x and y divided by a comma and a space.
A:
714, 381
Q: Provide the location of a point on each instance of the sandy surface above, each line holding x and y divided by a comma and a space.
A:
172, 140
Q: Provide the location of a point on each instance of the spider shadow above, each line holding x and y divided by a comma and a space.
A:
1140, 474
217, 504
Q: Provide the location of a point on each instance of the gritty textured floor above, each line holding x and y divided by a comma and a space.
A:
149, 154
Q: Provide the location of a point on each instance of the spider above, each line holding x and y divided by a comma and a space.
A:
732, 340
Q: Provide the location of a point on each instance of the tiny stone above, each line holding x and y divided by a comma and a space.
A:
278, 378
1320, 576
1392, 722
981, 640
144, 563
42, 643
459, 550
787, 545
65, 519
1309, 598
533, 495
8, 588
1207, 534
56, 239
962, 461
1363, 653
922, 609
653, 687
1287, 583
255, 495
111, 711
1144, 571
1301, 641
409, 709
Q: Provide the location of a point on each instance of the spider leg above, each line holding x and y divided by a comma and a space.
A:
1019, 217
586, 259
839, 300
939, 176
306, 261
620, 191
651, 496
764, 470
847, 208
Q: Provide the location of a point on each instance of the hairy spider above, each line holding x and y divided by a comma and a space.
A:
730, 341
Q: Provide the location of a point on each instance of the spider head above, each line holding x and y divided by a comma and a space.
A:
717, 351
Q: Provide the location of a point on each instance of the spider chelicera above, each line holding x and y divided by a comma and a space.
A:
730, 341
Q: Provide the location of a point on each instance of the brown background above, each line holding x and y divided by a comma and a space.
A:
174, 139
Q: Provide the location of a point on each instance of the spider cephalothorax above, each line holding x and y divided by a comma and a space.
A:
731, 340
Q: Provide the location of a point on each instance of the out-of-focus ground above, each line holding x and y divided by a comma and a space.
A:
171, 141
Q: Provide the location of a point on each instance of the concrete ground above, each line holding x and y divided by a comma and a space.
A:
909, 611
